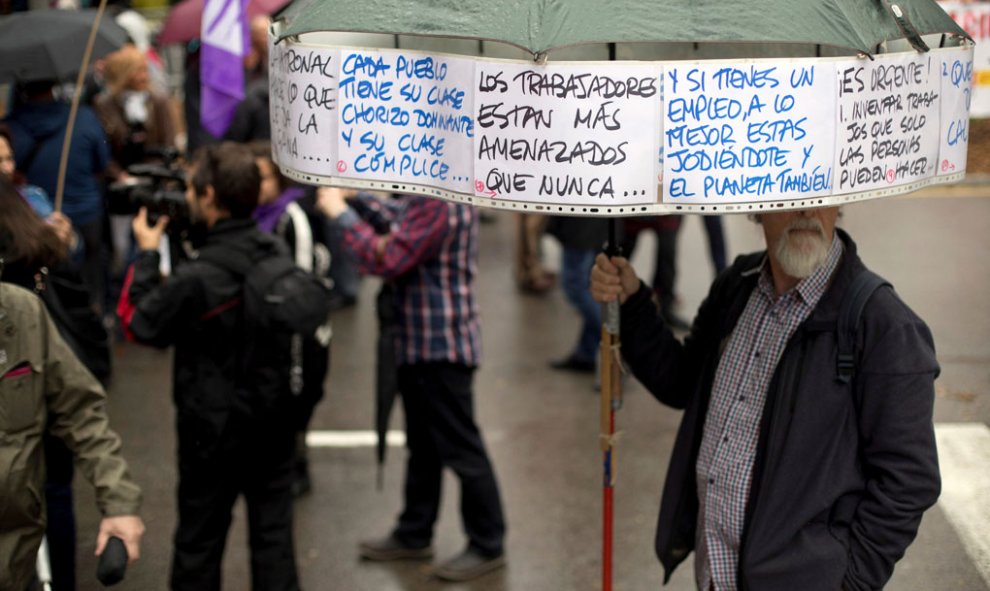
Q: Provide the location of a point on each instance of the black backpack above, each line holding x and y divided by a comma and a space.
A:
278, 296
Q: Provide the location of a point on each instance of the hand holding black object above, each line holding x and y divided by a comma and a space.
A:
113, 562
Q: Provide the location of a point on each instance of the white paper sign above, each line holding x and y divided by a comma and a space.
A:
406, 117
957, 81
888, 121
738, 133
303, 106
567, 134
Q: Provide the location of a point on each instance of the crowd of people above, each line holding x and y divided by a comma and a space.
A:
786, 473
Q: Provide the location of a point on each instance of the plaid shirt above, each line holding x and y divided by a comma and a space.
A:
728, 448
431, 255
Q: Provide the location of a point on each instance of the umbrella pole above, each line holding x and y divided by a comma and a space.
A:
611, 400
63, 162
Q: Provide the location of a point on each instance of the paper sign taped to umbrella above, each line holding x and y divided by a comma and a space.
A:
597, 138
569, 134
887, 128
735, 133
957, 90
303, 106
406, 117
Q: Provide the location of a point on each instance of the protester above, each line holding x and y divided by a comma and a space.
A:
136, 119
231, 384
45, 389
531, 276
289, 211
38, 123
783, 475
251, 120
37, 244
666, 227
581, 238
33, 194
428, 249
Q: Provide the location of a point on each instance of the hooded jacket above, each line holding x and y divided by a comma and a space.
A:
842, 473
43, 386
44, 124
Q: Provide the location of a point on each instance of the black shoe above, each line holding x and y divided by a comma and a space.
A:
468, 565
391, 548
572, 363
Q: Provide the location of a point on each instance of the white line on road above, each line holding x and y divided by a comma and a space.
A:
964, 460
353, 438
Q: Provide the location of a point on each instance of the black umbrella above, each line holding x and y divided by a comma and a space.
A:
47, 44
386, 382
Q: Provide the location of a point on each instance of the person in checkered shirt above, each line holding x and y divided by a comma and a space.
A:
783, 476
428, 249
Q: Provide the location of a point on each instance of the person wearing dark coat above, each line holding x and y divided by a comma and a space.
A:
581, 238
782, 476
289, 212
37, 124
230, 386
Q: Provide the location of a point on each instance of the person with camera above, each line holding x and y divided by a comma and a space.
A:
231, 381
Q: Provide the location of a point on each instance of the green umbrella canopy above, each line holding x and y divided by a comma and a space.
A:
542, 25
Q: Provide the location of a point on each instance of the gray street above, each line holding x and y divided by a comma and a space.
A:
541, 426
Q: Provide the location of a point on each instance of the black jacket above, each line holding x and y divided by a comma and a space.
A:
842, 475
219, 371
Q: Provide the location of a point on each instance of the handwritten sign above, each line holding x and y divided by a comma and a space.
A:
957, 82
575, 134
303, 106
888, 121
608, 136
735, 133
407, 117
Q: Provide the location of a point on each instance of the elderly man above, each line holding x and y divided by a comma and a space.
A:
784, 475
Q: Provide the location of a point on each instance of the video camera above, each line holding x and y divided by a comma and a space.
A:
161, 188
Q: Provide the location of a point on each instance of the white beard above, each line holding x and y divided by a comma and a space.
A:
801, 254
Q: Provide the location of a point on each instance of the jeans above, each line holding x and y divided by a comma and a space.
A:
575, 280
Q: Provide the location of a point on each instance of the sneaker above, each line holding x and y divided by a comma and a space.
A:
574, 364
469, 565
391, 548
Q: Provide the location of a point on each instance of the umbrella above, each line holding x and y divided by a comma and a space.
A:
386, 381
183, 23
539, 26
45, 44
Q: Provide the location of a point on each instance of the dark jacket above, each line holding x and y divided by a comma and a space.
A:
44, 124
219, 370
578, 233
251, 120
841, 475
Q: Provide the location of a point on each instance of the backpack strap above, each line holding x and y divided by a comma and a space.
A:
853, 303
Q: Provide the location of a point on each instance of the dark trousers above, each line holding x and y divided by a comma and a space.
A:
440, 431
254, 459
61, 526
94, 266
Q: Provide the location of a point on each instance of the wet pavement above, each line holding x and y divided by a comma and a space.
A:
541, 426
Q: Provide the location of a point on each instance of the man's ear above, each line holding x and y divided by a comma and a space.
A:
209, 197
